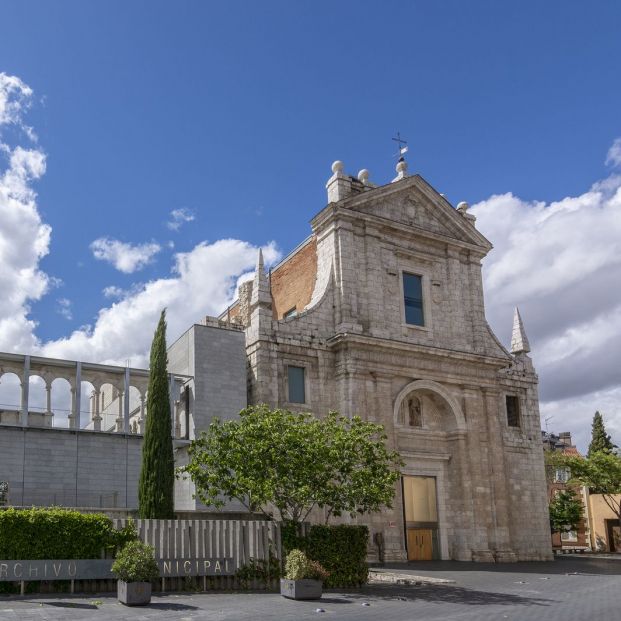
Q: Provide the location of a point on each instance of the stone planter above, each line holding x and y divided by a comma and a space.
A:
300, 589
133, 593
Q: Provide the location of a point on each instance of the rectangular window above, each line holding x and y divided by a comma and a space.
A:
297, 392
562, 475
569, 535
413, 299
513, 411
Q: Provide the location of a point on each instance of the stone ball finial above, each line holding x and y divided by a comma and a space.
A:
463, 206
337, 167
363, 175
402, 166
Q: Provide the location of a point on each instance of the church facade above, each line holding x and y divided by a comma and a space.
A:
380, 313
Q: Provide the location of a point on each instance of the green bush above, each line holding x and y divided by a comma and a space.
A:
263, 570
341, 550
136, 563
299, 566
58, 534
296, 566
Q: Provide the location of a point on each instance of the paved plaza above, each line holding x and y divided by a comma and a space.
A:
567, 589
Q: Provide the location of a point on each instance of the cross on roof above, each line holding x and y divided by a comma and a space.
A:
402, 145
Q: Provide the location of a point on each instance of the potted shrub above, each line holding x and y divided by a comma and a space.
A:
135, 568
303, 577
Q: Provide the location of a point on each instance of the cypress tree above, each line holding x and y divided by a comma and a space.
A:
600, 440
157, 475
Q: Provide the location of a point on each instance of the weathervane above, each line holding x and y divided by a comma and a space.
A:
403, 146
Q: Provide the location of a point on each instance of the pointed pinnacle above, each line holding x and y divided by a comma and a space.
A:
261, 288
519, 340
260, 261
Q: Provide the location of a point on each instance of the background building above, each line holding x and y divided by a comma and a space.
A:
557, 479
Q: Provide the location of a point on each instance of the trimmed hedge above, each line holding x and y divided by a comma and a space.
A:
341, 549
58, 534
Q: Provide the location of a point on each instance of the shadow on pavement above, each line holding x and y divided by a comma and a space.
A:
447, 594
169, 606
61, 604
558, 566
335, 600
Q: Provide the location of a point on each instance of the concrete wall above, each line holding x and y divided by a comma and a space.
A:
215, 356
61, 466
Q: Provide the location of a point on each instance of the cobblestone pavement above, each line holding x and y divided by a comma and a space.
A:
566, 589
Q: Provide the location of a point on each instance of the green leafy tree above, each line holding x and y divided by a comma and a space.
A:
600, 440
293, 463
601, 473
565, 511
157, 475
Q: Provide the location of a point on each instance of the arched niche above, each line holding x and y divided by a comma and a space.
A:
428, 405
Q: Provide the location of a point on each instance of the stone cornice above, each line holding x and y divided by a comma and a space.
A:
425, 455
347, 339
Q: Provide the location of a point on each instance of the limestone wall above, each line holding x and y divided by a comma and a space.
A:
359, 356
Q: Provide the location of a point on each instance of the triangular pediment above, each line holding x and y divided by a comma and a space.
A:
413, 202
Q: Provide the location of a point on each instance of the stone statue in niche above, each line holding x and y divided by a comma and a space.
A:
412, 412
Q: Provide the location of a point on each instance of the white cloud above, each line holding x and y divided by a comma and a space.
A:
203, 282
561, 264
575, 414
64, 308
15, 98
113, 292
179, 217
24, 238
126, 258
614, 154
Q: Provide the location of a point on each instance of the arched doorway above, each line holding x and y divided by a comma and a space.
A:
427, 421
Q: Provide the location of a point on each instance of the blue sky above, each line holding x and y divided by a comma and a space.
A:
234, 112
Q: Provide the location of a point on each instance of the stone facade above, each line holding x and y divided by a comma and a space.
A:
360, 356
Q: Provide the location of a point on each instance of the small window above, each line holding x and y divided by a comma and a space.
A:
297, 392
569, 535
292, 312
413, 299
561, 475
513, 411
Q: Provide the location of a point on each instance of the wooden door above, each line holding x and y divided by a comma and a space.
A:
420, 547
